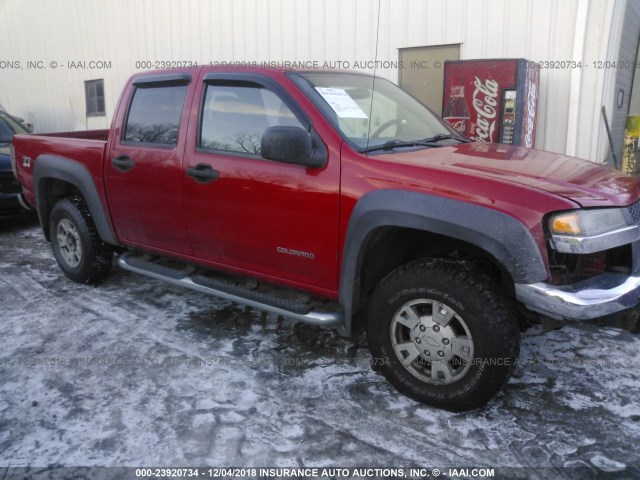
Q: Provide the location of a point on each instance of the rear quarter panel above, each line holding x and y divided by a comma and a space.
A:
86, 148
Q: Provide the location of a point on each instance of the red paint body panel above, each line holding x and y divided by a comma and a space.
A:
437, 172
257, 206
584, 182
87, 148
145, 203
239, 221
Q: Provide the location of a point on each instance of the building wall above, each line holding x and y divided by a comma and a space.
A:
125, 31
630, 35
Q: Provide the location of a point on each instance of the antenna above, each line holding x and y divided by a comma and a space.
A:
375, 68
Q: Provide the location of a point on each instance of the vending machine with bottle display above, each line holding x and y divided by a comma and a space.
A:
492, 100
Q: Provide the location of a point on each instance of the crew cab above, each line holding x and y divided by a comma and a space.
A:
335, 198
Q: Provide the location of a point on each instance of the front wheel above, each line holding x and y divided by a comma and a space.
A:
442, 335
79, 250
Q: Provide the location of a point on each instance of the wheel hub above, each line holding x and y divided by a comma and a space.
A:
432, 340
69, 243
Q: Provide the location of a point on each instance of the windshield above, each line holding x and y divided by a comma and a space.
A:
370, 114
8, 126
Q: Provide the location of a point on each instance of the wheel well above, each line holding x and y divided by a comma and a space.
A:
52, 190
387, 248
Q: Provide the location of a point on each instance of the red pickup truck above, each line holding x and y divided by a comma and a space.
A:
335, 198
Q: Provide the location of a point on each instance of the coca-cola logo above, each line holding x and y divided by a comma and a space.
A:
485, 100
532, 100
458, 124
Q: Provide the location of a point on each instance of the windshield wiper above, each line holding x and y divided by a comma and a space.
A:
391, 144
425, 142
446, 136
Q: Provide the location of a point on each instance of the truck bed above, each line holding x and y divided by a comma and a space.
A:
87, 147
83, 134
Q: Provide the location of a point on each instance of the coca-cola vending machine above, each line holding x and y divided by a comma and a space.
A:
492, 100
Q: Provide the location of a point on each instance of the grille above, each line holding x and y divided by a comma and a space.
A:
8, 183
634, 210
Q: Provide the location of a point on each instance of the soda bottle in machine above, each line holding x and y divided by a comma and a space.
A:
456, 112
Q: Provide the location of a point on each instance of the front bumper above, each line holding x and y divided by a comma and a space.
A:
12, 204
591, 298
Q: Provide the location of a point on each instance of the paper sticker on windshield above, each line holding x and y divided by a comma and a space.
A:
341, 102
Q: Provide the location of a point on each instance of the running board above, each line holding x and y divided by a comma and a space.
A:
189, 277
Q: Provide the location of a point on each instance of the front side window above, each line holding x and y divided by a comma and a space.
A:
154, 115
234, 117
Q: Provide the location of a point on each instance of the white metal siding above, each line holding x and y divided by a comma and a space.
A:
624, 76
124, 31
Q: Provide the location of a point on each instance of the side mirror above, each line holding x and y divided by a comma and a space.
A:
289, 145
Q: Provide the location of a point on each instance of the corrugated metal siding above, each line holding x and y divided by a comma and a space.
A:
538, 31
590, 98
624, 76
124, 31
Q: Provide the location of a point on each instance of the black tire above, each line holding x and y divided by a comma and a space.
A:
476, 311
71, 224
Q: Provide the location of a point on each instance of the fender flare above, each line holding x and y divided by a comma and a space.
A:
502, 236
76, 174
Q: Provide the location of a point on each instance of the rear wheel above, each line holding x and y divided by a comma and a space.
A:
442, 335
79, 250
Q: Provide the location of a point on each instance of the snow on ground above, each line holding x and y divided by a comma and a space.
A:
135, 372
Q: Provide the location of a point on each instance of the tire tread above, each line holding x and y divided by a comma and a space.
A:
502, 319
99, 254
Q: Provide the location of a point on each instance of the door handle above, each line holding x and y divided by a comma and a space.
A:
202, 173
123, 163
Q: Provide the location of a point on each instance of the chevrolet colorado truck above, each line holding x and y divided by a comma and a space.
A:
336, 199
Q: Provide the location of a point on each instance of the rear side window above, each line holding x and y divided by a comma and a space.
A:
234, 117
154, 115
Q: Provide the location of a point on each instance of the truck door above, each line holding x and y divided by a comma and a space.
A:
248, 213
143, 166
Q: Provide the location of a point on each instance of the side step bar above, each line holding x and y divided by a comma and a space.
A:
188, 277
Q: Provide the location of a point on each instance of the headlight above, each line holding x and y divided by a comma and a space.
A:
589, 231
586, 223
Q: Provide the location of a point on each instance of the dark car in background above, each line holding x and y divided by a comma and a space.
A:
10, 191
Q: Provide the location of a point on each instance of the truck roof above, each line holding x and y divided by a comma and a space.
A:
297, 67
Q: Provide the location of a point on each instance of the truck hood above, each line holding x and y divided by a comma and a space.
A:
584, 182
